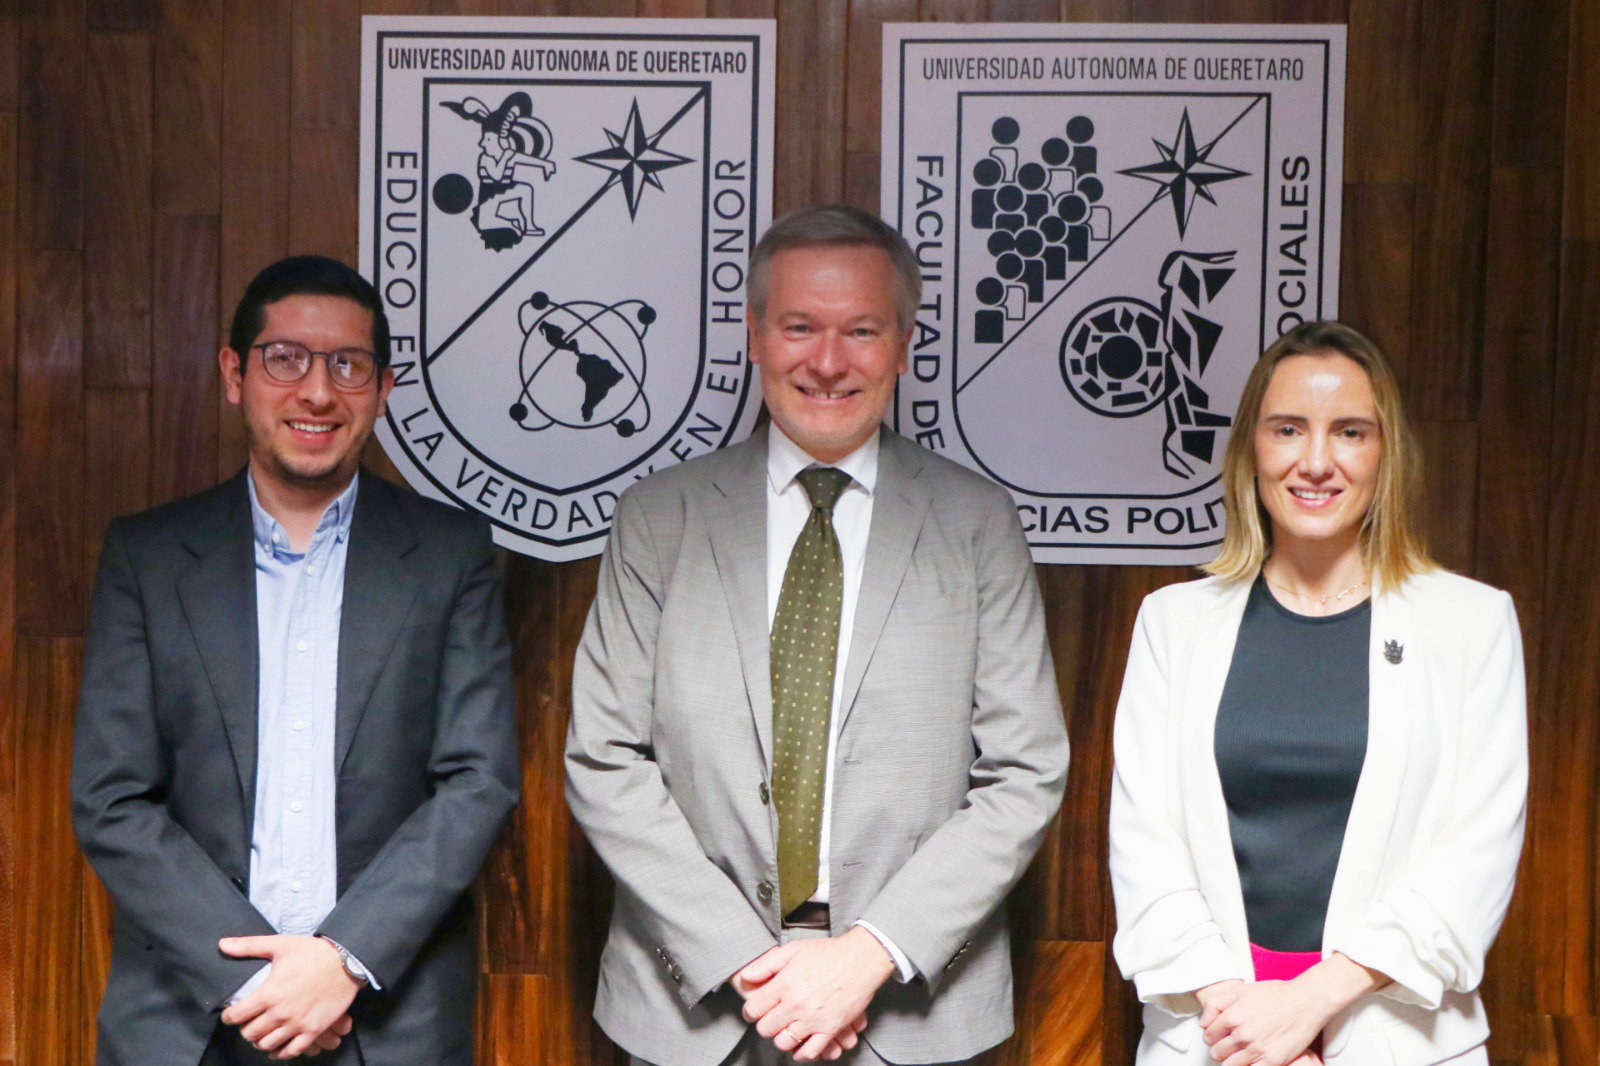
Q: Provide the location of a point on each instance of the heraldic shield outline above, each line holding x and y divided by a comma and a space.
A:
560, 236
1100, 263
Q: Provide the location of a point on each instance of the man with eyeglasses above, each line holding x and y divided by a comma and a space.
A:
295, 736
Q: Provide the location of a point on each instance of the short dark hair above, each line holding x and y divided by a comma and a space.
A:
298, 275
837, 224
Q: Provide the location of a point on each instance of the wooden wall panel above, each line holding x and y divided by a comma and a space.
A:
1383, 91
117, 212
1569, 759
154, 154
1452, 206
49, 1009
10, 58
811, 93
1530, 82
742, 9
187, 92
512, 1009
116, 464
1024, 10
1450, 457
326, 93
1312, 11
53, 124
1520, 313
8, 583
1581, 217
49, 443
183, 409
257, 41
322, 214
1376, 263
863, 100
120, 15
1064, 1001
670, 9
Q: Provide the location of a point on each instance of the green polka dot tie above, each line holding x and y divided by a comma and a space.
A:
805, 648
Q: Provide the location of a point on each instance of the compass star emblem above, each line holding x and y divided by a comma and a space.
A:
1185, 172
634, 159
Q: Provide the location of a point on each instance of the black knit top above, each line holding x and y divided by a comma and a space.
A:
1291, 738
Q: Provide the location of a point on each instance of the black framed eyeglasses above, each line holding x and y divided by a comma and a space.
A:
288, 362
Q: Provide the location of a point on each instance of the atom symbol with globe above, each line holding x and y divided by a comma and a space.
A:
582, 365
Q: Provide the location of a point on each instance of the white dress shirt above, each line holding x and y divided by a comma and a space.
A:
788, 509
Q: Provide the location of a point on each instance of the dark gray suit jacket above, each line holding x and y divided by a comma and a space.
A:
164, 766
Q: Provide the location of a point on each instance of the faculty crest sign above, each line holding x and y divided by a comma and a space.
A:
558, 214
1112, 222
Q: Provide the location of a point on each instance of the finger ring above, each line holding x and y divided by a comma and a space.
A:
796, 1037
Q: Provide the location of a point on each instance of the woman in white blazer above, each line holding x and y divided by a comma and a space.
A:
1257, 794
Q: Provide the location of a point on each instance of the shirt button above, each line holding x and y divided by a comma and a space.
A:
302, 645
764, 892
311, 569
275, 538
295, 887
295, 806
765, 794
299, 724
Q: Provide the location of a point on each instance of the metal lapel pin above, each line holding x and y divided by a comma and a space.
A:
1394, 651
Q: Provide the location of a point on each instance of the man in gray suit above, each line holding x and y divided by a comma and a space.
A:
295, 736
815, 734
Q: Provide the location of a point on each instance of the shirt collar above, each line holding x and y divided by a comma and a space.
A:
785, 459
270, 534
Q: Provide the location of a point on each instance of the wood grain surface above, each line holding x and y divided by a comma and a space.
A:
154, 154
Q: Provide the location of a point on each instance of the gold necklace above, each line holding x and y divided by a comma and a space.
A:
1322, 602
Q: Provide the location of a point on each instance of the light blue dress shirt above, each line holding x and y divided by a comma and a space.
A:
299, 601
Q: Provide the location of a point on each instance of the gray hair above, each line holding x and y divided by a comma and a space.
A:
837, 224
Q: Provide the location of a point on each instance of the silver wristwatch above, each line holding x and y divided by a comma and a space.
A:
352, 965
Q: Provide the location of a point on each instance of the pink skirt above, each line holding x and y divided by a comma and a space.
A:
1282, 965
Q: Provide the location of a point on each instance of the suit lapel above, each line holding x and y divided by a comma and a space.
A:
736, 520
899, 504
1392, 695
219, 603
378, 590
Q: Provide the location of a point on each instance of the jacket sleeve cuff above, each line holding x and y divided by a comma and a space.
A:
1171, 987
1389, 951
257, 979
700, 974
364, 972
904, 970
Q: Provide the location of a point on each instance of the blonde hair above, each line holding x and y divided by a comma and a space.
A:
1391, 547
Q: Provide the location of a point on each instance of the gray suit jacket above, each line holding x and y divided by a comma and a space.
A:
951, 757
164, 765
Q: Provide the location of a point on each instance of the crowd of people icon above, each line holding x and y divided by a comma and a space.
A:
1042, 213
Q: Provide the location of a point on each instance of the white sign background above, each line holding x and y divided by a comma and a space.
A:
1113, 221
558, 214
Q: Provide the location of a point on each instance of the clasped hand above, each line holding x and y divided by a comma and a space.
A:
1270, 1023
301, 1008
810, 997
1273, 1023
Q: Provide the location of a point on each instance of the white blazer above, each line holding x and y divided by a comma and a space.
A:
1430, 851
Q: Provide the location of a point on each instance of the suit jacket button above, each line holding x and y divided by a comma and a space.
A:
765, 793
764, 892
